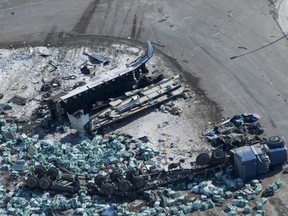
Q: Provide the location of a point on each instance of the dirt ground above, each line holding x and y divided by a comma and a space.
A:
194, 38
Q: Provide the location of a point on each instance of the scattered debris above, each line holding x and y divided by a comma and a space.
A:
164, 19
242, 47
96, 58
54, 66
39, 175
115, 164
71, 77
44, 51
5, 107
171, 108
235, 132
21, 101
85, 70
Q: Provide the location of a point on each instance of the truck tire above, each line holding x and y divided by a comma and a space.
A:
275, 142
202, 159
218, 155
44, 183
99, 179
130, 174
31, 182
115, 176
53, 173
107, 189
124, 185
39, 170
138, 182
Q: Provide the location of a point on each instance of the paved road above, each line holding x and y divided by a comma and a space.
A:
202, 35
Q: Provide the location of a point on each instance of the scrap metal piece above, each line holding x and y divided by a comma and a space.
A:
96, 58
54, 66
21, 101
142, 59
71, 77
268, 192
44, 51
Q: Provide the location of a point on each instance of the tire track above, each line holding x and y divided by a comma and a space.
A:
115, 17
107, 12
85, 19
138, 35
133, 31
242, 84
50, 35
126, 17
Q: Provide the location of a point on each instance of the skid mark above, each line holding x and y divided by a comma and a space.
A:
85, 19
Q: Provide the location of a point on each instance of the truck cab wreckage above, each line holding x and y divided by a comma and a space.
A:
249, 161
119, 94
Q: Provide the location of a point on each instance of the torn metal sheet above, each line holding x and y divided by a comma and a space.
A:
18, 100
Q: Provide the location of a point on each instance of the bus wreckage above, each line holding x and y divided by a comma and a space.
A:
115, 96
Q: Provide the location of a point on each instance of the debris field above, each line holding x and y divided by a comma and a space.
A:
48, 167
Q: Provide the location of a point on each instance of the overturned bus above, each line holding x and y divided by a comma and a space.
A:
114, 96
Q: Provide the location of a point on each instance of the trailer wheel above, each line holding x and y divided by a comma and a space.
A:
124, 185
107, 189
203, 159
114, 176
99, 179
275, 142
53, 172
44, 183
218, 155
130, 174
39, 170
138, 182
31, 182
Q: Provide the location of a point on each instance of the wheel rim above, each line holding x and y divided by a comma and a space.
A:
44, 183
203, 159
31, 182
124, 185
39, 170
107, 189
114, 176
274, 139
130, 174
53, 172
218, 154
99, 179
139, 182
